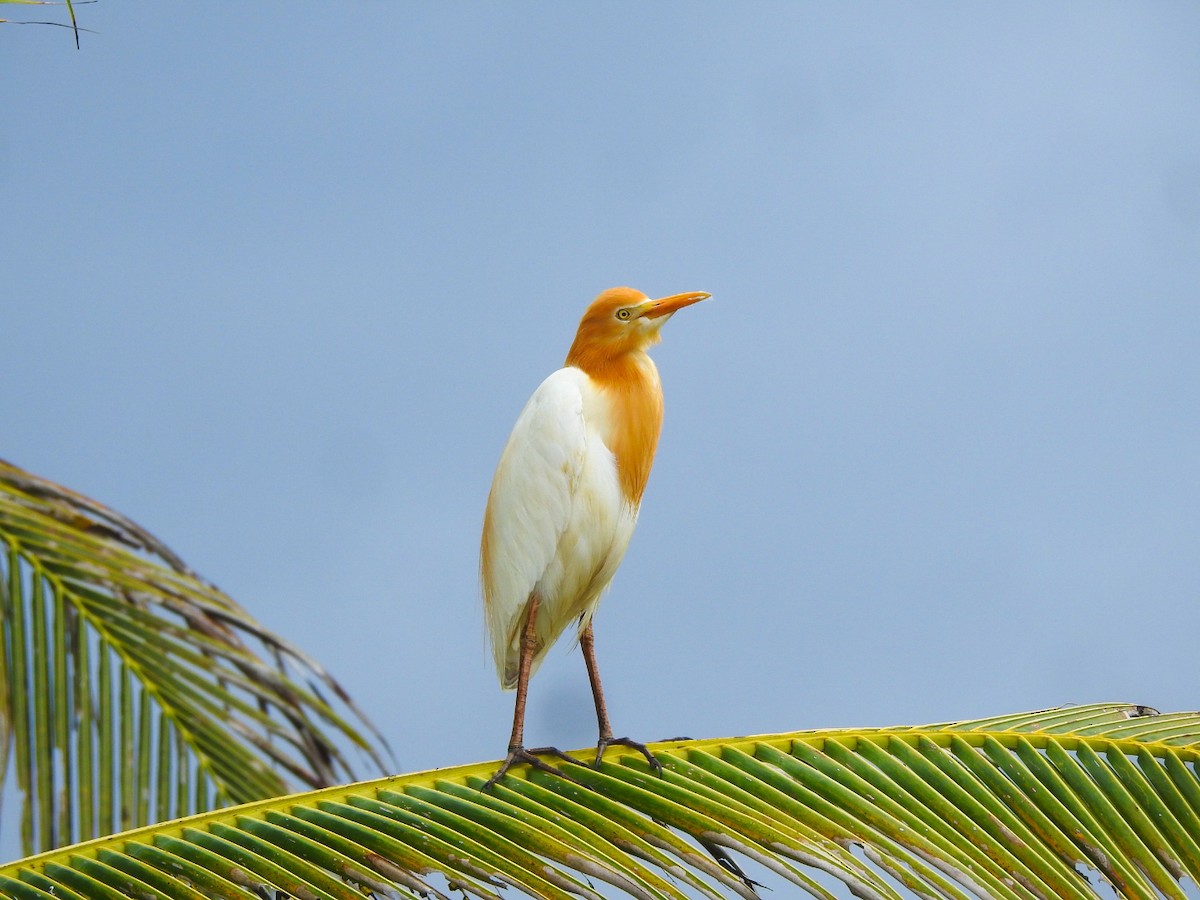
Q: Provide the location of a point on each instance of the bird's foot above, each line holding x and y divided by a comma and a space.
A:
605, 742
518, 755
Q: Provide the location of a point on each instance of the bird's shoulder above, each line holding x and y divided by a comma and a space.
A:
567, 386
559, 407
550, 433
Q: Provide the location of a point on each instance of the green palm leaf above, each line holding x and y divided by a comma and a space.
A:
74, 26
1048, 804
133, 690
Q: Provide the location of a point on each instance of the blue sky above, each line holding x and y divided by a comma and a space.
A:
277, 281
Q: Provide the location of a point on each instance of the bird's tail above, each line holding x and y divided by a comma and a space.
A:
508, 665
507, 653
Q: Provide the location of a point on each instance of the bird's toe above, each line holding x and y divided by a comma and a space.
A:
605, 743
532, 758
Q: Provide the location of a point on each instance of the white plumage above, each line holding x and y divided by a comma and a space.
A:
558, 522
566, 495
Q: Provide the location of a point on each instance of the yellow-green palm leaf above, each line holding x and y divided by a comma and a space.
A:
1069, 803
133, 690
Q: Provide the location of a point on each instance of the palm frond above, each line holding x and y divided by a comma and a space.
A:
134, 691
1052, 804
74, 24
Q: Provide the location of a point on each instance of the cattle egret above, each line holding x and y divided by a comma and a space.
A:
566, 495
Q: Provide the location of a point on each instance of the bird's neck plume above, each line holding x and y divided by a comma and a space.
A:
604, 360
629, 385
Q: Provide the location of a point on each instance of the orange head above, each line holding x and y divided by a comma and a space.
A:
622, 320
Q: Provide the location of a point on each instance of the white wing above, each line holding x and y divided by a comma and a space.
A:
530, 504
557, 522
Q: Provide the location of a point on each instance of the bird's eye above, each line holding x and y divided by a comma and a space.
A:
623, 314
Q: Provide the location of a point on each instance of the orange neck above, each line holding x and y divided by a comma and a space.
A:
630, 385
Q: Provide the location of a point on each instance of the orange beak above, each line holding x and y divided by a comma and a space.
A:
656, 309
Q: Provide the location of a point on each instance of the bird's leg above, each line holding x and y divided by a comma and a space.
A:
516, 742
587, 643
528, 638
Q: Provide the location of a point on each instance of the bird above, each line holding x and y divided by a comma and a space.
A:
565, 499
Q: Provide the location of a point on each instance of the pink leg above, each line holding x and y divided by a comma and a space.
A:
587, 643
